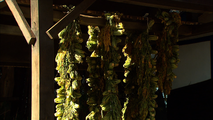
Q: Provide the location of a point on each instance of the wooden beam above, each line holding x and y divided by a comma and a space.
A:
91, 20
185, 30
22, 23
99, 21
57, 15
61, 24
201, 29
10, 30
170, 4
42, 104
205, 18
14, 49
191, 37
2, 5
202, 2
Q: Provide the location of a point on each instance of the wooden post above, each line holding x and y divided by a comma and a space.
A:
42, 61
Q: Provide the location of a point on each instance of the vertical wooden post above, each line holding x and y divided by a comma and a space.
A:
42, 61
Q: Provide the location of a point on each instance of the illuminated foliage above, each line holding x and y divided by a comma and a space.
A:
146, 69
68, 56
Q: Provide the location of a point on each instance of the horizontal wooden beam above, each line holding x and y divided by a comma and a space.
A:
99, 21
170, 4
22, 23
200, 31
61, 24
205, 18
191, 37
204, 28
186, 31
129, 25
14, 50
57, 15
10, 30
2, 5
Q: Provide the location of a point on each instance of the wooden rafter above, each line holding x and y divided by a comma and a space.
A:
10, 30
204, 28
61, 24
170, 4
2, 5
22, 23
185, 31
99, 21
14, 50
191, 37
205, 18
200, 31
57, 15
